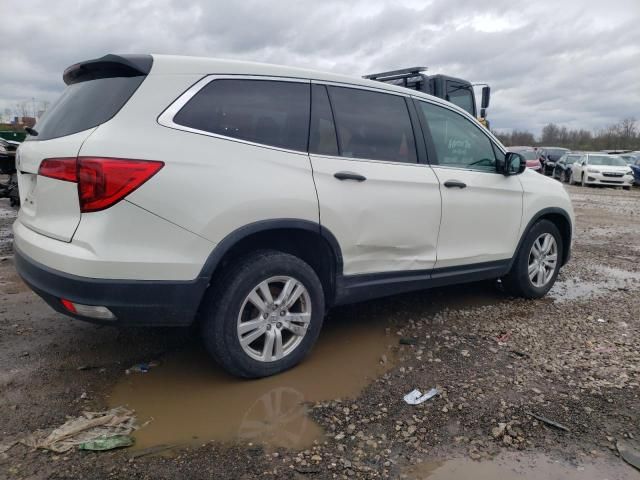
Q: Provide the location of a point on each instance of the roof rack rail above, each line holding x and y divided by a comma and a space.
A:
396, 74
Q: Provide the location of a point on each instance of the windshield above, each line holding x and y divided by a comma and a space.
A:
606, 160
528, 154
555, 153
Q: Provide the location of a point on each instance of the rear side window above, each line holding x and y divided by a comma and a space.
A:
372, 125
85, 105
261, 111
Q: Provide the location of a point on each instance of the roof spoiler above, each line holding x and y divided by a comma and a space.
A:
108, 66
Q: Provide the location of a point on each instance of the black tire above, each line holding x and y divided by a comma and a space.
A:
517, 281
565, 176
226, 296
626, 188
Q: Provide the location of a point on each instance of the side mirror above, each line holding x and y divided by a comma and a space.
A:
486, 96
514, 164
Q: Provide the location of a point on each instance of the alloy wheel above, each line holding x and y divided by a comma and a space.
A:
543, 259
273, 319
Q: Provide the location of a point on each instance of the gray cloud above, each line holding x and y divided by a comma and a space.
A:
573, 62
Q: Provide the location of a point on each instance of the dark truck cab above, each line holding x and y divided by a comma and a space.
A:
455, 90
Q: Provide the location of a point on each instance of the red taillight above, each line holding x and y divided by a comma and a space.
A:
60, 169
105, 181
102, 182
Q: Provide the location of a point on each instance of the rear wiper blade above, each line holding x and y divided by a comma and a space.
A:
31, 131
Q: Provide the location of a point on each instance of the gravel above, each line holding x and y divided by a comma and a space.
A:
571, 357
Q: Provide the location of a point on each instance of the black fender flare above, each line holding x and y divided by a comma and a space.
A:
237, 235
538, 216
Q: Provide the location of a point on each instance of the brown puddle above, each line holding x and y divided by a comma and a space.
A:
191, 400
518, 467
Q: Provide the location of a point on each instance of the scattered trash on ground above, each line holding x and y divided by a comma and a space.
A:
547, 421
628, 453
415, 397
141, 367
89, 426
107, 443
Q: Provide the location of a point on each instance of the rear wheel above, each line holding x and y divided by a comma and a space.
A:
263, 315
537, 262
565, 177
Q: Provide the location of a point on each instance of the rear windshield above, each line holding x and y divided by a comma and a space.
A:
86, 105
606, 160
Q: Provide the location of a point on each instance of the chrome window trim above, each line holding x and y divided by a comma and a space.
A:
166, 118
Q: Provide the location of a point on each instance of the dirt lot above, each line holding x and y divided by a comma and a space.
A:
572, 357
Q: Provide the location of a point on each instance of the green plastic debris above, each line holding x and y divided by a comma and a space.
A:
107, 443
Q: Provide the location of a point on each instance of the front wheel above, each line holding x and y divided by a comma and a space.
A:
263, 315
537, 262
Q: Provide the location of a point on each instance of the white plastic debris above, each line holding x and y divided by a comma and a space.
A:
415, 397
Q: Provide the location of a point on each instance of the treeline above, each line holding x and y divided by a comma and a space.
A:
623, 135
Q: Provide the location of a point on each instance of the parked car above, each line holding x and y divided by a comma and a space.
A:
562, 169
601, 169
531, 156
630, 157
549, 156
9, 187
298, 191
635, 168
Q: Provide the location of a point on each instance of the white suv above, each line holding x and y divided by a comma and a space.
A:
251, 198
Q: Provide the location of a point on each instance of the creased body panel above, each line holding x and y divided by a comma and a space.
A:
389, 222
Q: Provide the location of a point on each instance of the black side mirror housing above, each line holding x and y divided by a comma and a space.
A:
514, 164
486, 96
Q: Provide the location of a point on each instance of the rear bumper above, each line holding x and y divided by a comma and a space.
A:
133, 302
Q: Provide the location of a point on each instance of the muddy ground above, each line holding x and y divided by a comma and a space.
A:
572, 357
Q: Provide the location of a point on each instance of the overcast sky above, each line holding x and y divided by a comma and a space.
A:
573, 62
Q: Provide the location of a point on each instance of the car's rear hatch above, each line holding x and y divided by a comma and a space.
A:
96, 90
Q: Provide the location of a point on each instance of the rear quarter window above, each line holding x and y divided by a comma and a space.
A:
268, 112
85, 105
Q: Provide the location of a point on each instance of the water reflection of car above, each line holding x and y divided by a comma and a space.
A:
601, 169
562, 168
549, 156
531, 156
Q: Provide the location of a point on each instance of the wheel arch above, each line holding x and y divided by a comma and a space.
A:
305, 239
561, 219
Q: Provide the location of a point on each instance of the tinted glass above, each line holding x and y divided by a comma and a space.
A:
460, 95
322, 136
372, 125
458, 142
86, 105
262, 111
